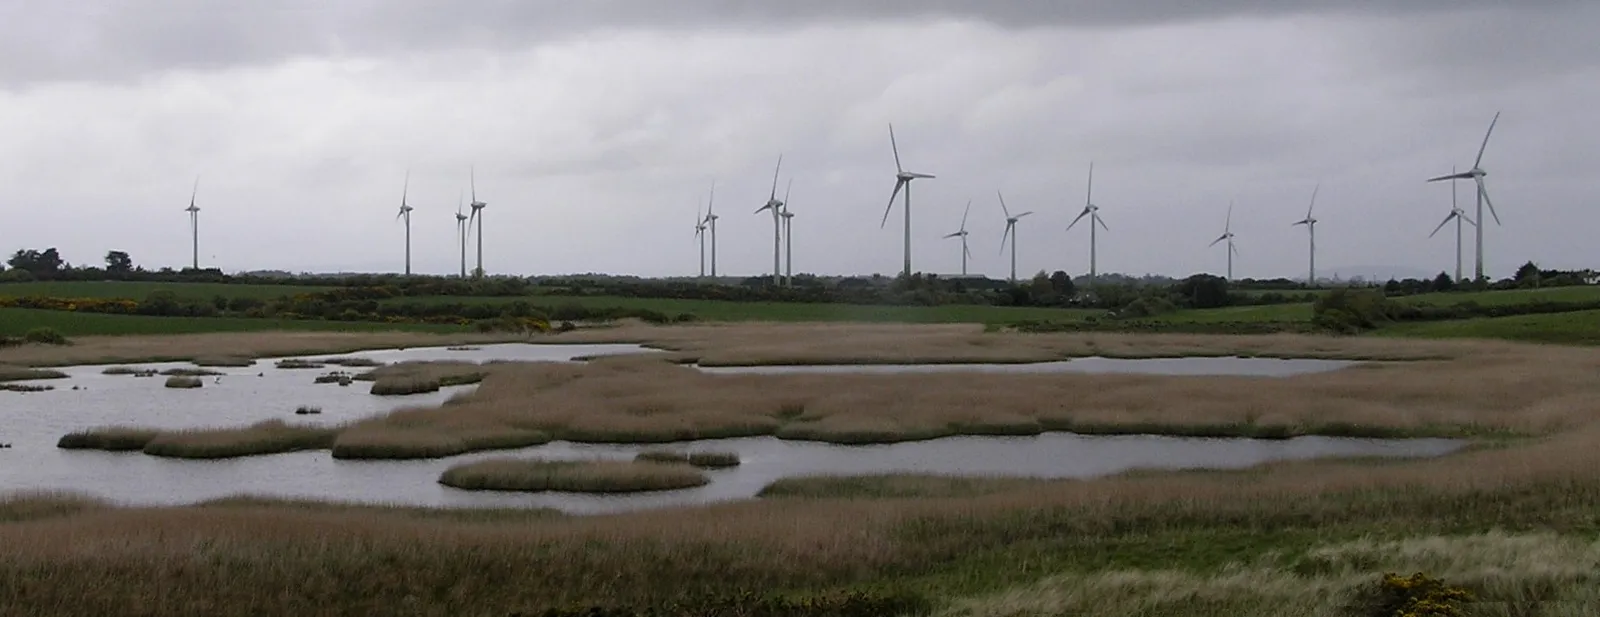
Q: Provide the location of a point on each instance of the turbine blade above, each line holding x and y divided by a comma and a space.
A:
896, 193
1080, 217
1228, 226
1465, 175
1453, 205
966, 251
786, 190
766, 207
896, 147
1468, 219
1485, 146
1089, 196
1484, 191
405, 189
956, 234
1233, 248
1101, 221
712, 203
775, 171
1024, 214
1447, 218
1005, 235
1313, 200
1003, 207
1219, 239
472, 173
964, 215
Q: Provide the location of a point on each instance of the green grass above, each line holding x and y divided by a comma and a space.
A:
15, 322
1580, 328
723, 310
138, 290
1580, 293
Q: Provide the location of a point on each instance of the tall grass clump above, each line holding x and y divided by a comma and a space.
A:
36, 505
508, 474
20, 373
662, 456
223, 361
714, 460
404, 385
111, 438
179, 381
191, 372
267, 437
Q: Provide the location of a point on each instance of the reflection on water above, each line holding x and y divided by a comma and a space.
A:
1218, 366
243, 395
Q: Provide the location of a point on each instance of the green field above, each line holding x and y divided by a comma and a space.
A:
15, 322
1580, 293
139, 290
724, 310
1578, 328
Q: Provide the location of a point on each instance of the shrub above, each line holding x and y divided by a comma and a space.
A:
714, 459
180, 381
45, 336
112, 438
1348, 310
1418, 595
661, 456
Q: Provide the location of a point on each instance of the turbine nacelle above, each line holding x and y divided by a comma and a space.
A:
905, 176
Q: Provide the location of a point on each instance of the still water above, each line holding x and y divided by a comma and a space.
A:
33, 422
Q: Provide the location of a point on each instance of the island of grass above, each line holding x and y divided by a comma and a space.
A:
266, 437
592, 476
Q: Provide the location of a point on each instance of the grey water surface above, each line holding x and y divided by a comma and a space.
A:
32, 422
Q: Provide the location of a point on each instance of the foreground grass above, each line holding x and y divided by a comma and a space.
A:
136, 290
506, 474
17, 321
1515, 525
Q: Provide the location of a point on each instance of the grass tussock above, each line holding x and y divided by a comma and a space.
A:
109, 438
506, 474
662, 456
223, 361
893, 486
267, 437
177, 381
191, 372
406, 378
129, 370
353, 362
18, 373
714, 460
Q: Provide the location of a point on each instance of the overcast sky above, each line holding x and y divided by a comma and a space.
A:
597, 130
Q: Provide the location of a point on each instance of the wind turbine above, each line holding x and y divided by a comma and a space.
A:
711, 220
700, 237
1459, 215
194, 221
1227, 234
1093, 212
477, 215
776, 208
903, 179
1476, 174
1011, 232
461, 232
405, 213
1311, 226
962, 233
788, 238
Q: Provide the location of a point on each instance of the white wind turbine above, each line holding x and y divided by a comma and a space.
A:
903, 179
1093, 212
477, 215
1476, 174
1227, 234
962, 233
711, 220
1311, 226
1459, 215
776, 208
788, 237
700, 237
1011, 232
461, 232
405, 213
194, 222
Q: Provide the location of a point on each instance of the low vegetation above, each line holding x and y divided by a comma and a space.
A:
18, 373
406, 378
182, 382
714, 460
597, 476
202, 348
109, 438
267, 437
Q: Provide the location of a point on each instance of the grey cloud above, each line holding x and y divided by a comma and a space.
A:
113, 40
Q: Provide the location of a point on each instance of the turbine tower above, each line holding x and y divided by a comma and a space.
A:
461, 232
711, 222
1093, 212
1311, 226
1459, 215
700, 237
962, 233
1227, 234
405, 213
776, 208
477, 215
788, 238
903, 179
194, 222
1476, 174
1011, 232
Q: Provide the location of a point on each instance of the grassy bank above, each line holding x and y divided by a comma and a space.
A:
1578, 328
228, 348
140, 289
17, 321
507, 474
266, 437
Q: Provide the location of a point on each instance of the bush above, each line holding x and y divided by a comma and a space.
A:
179, 381
1148, 307
45, 336
1348, 310
1418, 595
714, 459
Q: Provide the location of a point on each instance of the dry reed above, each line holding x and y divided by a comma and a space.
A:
598, 476
714, 460
202, 348
110, 438
267, 437
18, 373
177, 381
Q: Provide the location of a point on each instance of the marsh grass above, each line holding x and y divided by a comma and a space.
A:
297, 363
598, 476
35, 505
191, 372
223, 361
353, 362
662, 456
129, 370
267, 437
404, 385
17, 373
407, 378
893, 486
714, 460
178, 381
109, 438
201, 349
